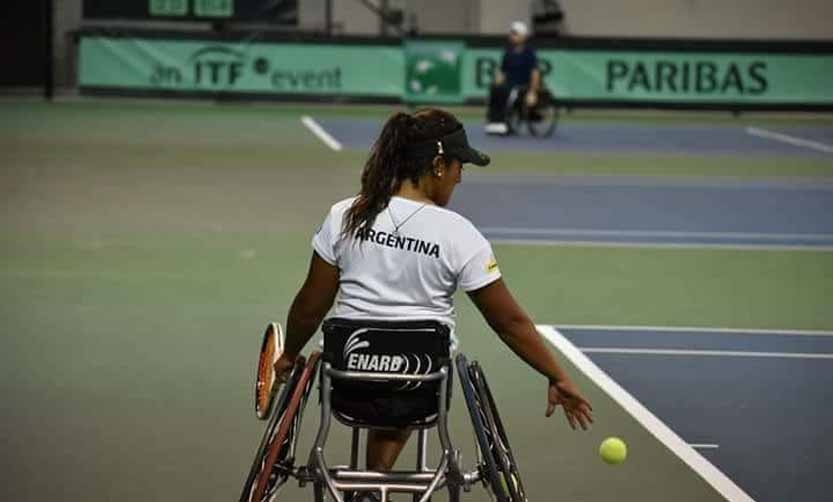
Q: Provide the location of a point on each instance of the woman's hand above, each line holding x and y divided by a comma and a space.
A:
283, 367
577, 408
531, 98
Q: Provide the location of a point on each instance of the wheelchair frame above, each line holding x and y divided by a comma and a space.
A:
517, 112
423, 481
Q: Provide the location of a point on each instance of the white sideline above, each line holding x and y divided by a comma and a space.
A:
714, 477
320, 133
696, 329
589, 232
791, 140
714, 353
659, 245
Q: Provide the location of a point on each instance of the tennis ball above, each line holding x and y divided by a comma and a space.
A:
613, 451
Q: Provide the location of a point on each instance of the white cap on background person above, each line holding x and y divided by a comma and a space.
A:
519, 28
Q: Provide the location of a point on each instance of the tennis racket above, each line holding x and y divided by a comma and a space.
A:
266, 384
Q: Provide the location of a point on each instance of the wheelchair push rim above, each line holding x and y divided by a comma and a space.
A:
274, 462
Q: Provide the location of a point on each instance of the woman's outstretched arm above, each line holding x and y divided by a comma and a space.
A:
506, 317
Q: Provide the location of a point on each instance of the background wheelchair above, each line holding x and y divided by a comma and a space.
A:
540, 119
372, 374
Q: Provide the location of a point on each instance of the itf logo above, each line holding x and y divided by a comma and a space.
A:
433, 71
217, 66
213, 66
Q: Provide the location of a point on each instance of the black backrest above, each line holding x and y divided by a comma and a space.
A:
408, 347
385, 347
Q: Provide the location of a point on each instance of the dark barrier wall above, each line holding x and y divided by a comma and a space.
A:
581, 72
22, 36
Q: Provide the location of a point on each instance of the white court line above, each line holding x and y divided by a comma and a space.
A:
694, 329
660, 245
703, 467
652, 233
791, 140
601, 180
713, 353
320, 133
699, 446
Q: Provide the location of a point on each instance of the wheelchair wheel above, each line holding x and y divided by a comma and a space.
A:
514, 114
486, 459
515, 119
278, 411
275, 457
501, 446
542, 118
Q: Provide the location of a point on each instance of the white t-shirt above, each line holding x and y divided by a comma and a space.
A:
407, 274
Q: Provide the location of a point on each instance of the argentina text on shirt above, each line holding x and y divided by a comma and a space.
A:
399, 242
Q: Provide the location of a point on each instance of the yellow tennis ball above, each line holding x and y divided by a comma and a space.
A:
613, 451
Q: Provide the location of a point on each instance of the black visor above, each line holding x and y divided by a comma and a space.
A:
454, 145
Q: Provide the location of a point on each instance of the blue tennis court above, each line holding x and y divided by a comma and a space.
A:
617, 137
756, 404
684, 213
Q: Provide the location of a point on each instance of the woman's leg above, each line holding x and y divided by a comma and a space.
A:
384, 447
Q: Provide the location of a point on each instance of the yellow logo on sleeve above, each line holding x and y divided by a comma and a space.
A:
492, 265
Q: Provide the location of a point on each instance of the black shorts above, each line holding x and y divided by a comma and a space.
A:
385, 408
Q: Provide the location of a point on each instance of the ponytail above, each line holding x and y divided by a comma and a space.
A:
388, 165
379, 177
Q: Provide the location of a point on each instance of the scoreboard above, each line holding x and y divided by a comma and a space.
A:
268, 11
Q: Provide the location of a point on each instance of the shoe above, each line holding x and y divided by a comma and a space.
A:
496, 128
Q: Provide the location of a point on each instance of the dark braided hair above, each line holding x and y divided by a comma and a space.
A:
388, 165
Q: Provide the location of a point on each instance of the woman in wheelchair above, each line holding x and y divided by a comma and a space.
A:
395, 253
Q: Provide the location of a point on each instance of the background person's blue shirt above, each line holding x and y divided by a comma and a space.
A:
517, 66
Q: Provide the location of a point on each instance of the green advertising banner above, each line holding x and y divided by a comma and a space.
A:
449, 72
682, 77
200, 66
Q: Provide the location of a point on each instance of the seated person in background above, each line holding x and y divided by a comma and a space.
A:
518, 69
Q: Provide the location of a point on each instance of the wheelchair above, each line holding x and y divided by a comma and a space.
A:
382, 375
540, 119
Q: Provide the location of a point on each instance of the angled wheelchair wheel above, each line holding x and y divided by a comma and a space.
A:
279, 409
543, 118
275, 458
487, 466
515, 120
514, 113
504, 459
